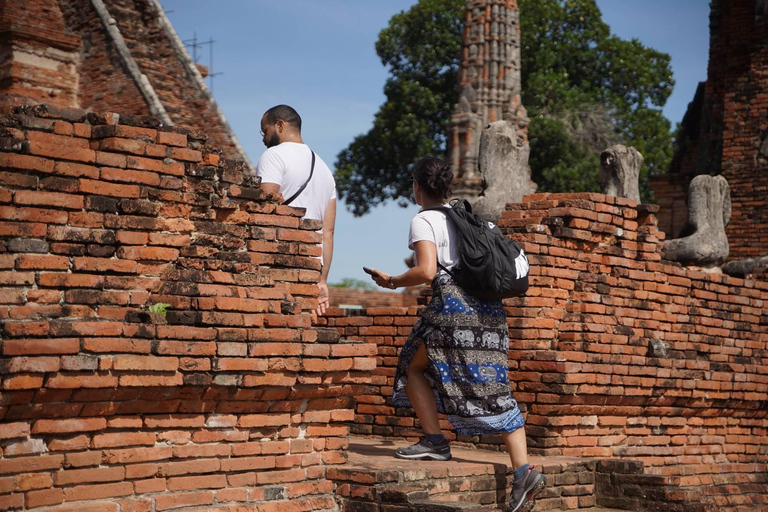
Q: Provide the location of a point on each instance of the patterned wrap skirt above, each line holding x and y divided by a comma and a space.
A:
467, 343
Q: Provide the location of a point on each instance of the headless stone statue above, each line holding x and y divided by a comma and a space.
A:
620, 172
709, 210
503, 163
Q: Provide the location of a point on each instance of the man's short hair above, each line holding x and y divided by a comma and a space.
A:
285, 113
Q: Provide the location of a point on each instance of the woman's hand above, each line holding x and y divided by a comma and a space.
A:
381, 279
423, 272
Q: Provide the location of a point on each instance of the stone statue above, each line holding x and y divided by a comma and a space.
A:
741, 268
504, 168
620, 171
703, 241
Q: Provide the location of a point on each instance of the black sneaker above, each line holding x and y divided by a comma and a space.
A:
524, 491
425, 449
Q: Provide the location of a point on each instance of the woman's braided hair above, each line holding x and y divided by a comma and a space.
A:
434, 176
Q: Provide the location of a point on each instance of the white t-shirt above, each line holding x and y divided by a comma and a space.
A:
434, 226
288, 165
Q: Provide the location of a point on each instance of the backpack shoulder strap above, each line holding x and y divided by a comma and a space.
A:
311, 172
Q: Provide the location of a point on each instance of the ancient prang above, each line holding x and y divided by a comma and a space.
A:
108, 56
490, 91
709, 211
620, 171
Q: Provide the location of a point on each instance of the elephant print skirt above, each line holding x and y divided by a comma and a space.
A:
467, 343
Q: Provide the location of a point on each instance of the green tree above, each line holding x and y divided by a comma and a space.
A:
355, 284
583, 87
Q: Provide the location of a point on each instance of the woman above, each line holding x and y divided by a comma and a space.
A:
455, 360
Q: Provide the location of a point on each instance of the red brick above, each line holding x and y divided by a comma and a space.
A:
105, 264
178, 500
149, 164
30, 481
31, 464
115, 144
72, 380
41, 346
192, 467
12, 501
108, 189
26, 162
95, 492
15, 429
41, 198
63, 152
79, 476
113, 440
23, 381
171, 139
30, 364
128, 176
76, 170
197, 482
41, 262
69, 425
248, 463
134, 455
146, 363
186, 154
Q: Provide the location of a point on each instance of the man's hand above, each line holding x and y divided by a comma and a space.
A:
323, 299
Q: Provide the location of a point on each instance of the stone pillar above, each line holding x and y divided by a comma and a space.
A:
38, 59
489, 79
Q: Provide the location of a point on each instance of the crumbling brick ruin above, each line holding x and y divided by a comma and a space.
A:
230, 397
659, 371
106, 56
725, 129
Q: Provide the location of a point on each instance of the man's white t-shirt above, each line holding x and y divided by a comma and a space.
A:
434, 226
288, 165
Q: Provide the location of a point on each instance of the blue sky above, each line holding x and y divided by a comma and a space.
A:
318, 56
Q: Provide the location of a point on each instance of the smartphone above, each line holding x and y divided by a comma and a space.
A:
368, 271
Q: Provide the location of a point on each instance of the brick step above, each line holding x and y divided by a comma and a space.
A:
373, 480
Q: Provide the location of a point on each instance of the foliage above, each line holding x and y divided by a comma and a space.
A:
421, 48
355, 284
584, 89
160, 307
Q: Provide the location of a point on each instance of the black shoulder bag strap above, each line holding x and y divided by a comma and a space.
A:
311, 172
443, 209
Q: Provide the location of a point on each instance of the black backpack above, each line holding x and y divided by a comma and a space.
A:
491, 266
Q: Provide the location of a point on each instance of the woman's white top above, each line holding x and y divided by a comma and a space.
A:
434, 226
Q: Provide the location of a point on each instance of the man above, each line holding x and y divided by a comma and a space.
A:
285, 168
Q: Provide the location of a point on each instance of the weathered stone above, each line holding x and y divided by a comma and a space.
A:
746, 266
703, 241
28, 245
504, 169
620, 172
657, 348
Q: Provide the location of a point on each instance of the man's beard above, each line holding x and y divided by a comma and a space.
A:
274, 140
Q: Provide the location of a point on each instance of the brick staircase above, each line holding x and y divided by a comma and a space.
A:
474, 480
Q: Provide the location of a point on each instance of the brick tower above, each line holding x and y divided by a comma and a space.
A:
725, 132
489, 79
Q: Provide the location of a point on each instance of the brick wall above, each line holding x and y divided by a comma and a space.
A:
231, 399
38, 60
614, 352
373, 298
